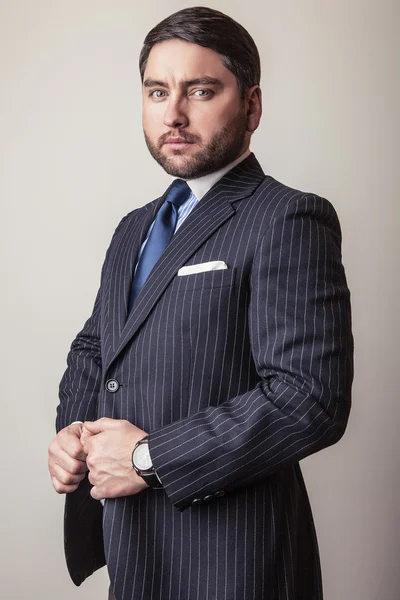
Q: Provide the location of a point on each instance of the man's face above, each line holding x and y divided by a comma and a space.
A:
194, 118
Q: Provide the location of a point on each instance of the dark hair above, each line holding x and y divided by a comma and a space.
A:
211, 29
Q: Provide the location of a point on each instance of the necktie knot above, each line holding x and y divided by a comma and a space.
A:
178, 193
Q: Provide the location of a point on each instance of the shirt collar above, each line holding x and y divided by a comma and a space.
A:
202, 185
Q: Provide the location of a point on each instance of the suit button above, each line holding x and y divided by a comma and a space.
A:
197, 501
208, 498
112, 385
219, 494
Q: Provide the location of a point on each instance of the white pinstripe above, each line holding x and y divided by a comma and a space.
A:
237, 375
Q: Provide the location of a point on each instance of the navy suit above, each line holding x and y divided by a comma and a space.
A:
237, 375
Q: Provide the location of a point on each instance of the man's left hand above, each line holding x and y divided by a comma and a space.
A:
109, 444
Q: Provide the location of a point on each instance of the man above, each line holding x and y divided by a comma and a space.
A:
218, 354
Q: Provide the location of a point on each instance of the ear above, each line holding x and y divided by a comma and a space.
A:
254, 107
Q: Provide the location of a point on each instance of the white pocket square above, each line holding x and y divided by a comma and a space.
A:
213, 265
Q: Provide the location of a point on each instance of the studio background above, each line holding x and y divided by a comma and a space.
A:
73, 162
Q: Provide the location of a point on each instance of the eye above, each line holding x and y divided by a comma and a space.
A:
203, 93
157, 94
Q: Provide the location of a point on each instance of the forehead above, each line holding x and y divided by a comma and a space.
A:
179, 60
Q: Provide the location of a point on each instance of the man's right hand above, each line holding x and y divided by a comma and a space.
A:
67, 460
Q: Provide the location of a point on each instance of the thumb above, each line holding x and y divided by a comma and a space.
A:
85, 435
103, 424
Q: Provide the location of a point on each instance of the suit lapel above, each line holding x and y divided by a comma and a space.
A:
120, 271
214, 209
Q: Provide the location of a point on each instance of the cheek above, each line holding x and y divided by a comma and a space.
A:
210, 123
152, 120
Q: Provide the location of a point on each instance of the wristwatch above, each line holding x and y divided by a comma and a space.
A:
142, 463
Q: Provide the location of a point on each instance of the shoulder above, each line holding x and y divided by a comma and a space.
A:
285, 202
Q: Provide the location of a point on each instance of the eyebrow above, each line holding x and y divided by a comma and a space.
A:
199, 81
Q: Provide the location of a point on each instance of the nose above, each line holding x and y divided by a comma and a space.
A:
175, 114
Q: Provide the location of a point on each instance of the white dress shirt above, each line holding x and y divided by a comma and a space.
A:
199, 188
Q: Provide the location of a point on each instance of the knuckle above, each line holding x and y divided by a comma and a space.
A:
65, 478
57, 486
78, 468
75, 468
75, 451
53, 447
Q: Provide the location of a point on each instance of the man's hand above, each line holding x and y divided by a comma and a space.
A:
109, 444
67, 459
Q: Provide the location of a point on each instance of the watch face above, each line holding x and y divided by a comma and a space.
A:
142, 458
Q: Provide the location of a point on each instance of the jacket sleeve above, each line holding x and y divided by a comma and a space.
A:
302, 347
80, 384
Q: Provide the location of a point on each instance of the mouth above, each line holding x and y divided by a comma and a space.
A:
176, 143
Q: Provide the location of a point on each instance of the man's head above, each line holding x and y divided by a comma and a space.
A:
201, 97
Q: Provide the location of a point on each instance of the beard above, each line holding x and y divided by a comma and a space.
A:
223, 148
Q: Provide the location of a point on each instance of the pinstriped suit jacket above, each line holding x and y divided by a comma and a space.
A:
237, 375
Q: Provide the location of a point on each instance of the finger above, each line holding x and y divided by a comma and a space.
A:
66, 478
75, 427
87, 444
91, 478
103, 424
85, 435
95, 494
62, 488
71, 465
69, 440
63, 460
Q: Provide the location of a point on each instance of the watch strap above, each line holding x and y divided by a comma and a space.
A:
151, 479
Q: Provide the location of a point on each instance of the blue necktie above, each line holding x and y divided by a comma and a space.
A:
160, 235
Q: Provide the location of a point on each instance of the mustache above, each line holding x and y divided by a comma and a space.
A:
190, 138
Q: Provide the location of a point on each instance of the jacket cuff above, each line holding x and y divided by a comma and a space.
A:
182, 496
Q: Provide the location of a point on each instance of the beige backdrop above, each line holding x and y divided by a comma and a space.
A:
73, 162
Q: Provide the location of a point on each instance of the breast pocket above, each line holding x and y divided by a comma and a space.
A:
202, 313
204, 281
